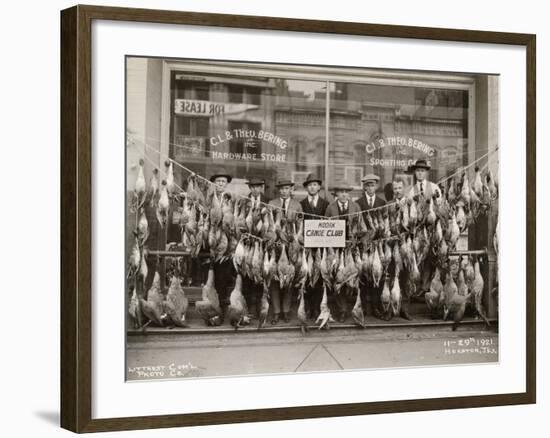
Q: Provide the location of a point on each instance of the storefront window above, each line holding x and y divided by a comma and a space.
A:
384, 129
275, 128
252, 127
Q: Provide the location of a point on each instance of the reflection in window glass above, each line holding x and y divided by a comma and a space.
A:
275, 128
384, 129
252, 127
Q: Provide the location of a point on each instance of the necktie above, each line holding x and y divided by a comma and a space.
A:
284, 206
371, 201
421, 188
312, 201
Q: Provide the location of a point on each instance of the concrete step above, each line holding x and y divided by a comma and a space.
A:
197, 326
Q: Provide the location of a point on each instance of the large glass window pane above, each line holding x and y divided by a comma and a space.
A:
300, 119
383, 129
252, 127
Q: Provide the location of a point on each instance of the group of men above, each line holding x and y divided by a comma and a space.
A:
312, 207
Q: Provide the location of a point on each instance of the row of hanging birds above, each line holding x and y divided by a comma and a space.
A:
162, 309
452, 297
446, 296
265, 246
216, 224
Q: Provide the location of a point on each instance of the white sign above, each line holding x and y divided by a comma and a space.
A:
190, 107
324, 233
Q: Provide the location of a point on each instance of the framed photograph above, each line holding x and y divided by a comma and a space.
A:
189, 293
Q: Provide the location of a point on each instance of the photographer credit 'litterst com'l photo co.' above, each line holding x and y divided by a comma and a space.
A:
294, 224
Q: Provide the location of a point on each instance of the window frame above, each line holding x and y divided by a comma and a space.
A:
328, 74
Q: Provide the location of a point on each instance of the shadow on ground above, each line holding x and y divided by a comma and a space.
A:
51, 417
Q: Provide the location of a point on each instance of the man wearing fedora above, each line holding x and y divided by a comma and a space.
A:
256, 186
221, 180
370, 293
342, 208
423, 189
399, 197
343, 204
224, 272
422, 186
285, 203
314, 207
289, 208
313, 204
251, 290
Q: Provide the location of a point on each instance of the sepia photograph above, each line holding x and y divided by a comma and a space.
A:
308, 218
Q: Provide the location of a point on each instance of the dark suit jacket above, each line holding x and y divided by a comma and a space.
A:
263, 198
334, 212
319, 210
364, 204
293, 209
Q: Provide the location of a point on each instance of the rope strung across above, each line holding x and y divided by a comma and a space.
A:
192, 148
371, 210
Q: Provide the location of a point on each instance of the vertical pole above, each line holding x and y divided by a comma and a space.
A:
327, 138
165, 113
491, 295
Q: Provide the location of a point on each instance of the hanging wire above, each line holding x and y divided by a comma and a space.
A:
385, 206
191, 148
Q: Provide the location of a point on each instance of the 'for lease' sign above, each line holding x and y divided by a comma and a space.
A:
325, 233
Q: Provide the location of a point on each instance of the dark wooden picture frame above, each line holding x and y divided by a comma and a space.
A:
76, 217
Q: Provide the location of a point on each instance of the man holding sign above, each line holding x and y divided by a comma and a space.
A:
314, 207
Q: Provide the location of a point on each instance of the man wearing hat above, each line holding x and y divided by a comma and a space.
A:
224, 272
314, 207
343, 204
422, 186
289, 208
369, 199
257, 188
251, 290
221, 180
342, 208
424, 190
398, 186
370, 293
285, 203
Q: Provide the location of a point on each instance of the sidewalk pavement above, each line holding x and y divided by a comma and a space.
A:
161, 356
